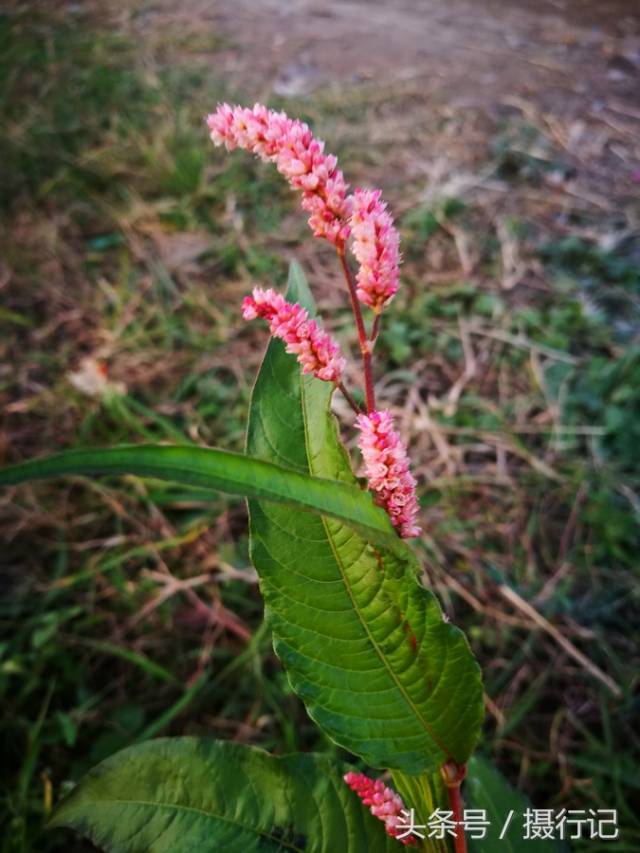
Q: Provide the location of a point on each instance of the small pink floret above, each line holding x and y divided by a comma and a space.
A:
387, 470
376, 247
317, 352
383, 802
297, 154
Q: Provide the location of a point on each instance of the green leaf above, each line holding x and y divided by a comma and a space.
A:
222, 471
486, 788
424, 794
180, 795
364, 644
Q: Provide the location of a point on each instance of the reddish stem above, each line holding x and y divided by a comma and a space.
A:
375, 328
455, 804
453, 775
365, 347
349, 398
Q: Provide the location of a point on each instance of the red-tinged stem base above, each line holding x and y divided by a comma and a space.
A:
453, 775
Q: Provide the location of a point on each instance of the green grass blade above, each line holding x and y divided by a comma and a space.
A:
142, 662
174, 710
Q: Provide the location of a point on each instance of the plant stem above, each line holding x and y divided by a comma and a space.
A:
365, 347
375, 328
349, 398
453, 775
455, 804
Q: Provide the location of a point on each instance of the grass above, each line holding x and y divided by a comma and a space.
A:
511, 357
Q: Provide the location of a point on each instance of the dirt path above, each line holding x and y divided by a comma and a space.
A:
572, 66
570, 55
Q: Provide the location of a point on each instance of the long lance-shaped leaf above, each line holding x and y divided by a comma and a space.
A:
182, 795
222, 471
364, 644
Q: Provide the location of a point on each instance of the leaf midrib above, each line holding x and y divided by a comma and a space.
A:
207, 814
361, 619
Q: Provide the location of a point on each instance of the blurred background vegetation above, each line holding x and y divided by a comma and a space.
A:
511, 357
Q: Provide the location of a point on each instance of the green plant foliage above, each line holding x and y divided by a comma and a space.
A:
222, 471
424, 794
606, 391
181, 795
487, 789
87, 86
364, 644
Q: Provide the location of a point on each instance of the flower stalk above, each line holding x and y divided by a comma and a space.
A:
365, 347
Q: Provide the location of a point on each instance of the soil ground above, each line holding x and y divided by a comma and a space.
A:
575, 59
571, 67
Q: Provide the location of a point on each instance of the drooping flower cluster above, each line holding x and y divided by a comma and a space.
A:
316, 350
387, 470
298, 155
334, 215
384, 803
375, 245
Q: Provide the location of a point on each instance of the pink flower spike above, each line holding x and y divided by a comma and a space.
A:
297, 154
375, 245
387, 470
317, 352
383, 803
